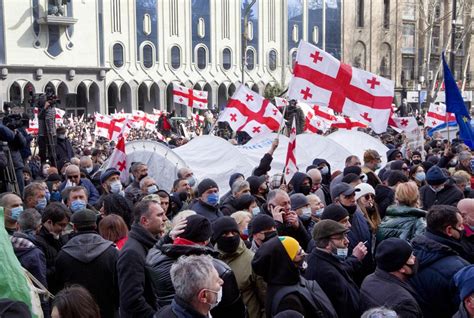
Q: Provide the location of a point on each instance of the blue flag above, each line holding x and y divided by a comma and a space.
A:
455, 105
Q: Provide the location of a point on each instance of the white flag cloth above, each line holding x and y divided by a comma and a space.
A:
321, 79
118, 159
436, 115
189, 97
404, 123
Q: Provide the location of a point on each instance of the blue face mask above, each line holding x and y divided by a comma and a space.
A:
255, 211
78, 205
16, 211
56, 196
41, 204
213, 198
318, 213
48, 196
245, 232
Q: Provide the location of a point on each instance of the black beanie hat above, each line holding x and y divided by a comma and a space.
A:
350, 177
392, 254
261, 222
222, 225
255, 183
395, 177
352, 169
244, 201
205, 185
198, 229
334, 212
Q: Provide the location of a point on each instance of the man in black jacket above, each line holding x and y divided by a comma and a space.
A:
439, 190
388, 286
325, 265
89, 260
193, 241
136, 294
64, 151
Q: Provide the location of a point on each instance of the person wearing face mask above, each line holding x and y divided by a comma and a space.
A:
148, 186
239, 188
247, 202
53, 181
418, 175
12, 208
34, 196
439, 189
243, 219
259, 189
110, 184
64, 150
396, 263
325, 169
372, 162
232, 250
301, 183
440, 255
87, 166
415, 158
194, 240
207, 203
326, 266
139, 171
279, 262
262, 228
197, 291
300, 204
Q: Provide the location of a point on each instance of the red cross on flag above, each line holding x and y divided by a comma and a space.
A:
33, 126
317, 118
281, 102
118, 159
406, 124
321, 79
108, 127
189, 97
290, 163
344, 122
248, 111
436, 115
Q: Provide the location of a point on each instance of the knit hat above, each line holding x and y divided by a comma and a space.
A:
198, 229
435, 176
392, 153
396, 176
255, 182
298, 200
352, 169
261, 223
327, 228
392, 254
234, 177
54, 177
222, 225
364, 189
334, 212
244, 201
291, 246
108, 173
350, 177
464, 280
205, 185
84, 218
342, 188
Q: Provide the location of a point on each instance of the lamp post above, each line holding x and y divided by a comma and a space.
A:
245, 37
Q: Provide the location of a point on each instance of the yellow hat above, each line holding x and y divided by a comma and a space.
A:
291, 246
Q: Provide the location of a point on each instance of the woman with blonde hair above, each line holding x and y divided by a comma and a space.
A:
243, 219
404, 219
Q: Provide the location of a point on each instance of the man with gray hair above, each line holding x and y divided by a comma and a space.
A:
197, 285
239, 187
148, 186
464, 162
139, 171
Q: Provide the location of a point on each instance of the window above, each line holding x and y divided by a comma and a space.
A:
272, 60
118, 55
147, 56
435, 39
386, 14
315, 37
226, 59
201, 58
293, 58
250, 59
175, 57
408, 65
360, 13
408, 38
408, 10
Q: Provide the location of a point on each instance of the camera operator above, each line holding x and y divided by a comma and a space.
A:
47, 128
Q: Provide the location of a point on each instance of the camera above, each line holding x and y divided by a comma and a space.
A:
39, 100
15, 121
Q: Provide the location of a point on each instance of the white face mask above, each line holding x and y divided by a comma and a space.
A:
306, 212
116, 187
342, 252
218, 297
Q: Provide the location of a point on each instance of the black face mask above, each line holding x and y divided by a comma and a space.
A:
305, 189
414, 267
269, 235
416, 162
228, 244
350, 209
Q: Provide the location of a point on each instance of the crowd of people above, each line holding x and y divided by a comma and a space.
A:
368, 241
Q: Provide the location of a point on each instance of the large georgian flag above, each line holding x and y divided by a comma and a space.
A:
189, 97
436, 115
248, 111
319, 78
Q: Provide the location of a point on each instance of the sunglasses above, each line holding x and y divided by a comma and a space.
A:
369, 196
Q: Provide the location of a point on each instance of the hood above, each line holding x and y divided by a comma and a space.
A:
22, 244
297, 181
175, 251
227, 258
429, 248
86, 247
271, 261
326, 178
403, 210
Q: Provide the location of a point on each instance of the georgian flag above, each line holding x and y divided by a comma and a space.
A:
436, 115
290, 163
403, 123
317, 118
321, 79
344, 122
189, 97
248, 111
281, 102
118, 159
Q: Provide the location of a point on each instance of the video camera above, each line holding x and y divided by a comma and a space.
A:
13, 117
39, 100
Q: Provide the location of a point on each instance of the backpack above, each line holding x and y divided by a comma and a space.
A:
311, 294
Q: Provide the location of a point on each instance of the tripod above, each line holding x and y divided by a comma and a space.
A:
11, 183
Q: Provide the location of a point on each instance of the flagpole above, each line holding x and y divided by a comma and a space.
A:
282, 120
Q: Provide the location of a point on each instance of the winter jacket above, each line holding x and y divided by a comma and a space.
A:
297, 181
326, 178
467, 242
403, 222
133, 192
462, 312
438, 262
178, 309
329, 272
450, 195
382, 289
136, 294
384, 197
228, 206
64, 152
158, 265
264, 165
208, 211
372, 178
90, 261
271, 261
50, 247
91, 190
251, 286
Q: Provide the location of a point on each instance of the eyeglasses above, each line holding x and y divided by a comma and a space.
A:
369, 196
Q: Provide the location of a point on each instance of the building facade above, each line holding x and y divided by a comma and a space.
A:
107, 55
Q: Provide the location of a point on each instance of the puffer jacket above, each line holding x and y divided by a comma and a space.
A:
403, 222
438, 260
158, 264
